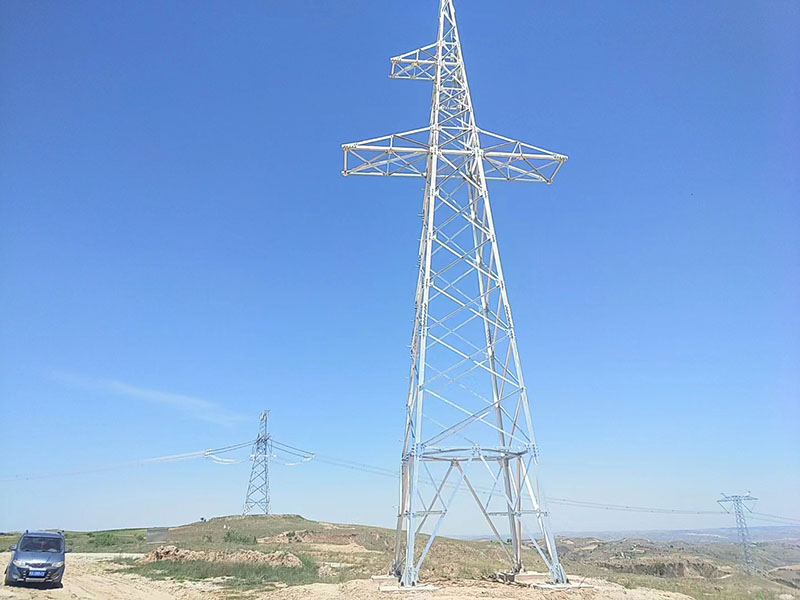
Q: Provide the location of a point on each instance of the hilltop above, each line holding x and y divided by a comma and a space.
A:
341, 552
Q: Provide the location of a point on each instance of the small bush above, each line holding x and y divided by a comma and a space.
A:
239, 538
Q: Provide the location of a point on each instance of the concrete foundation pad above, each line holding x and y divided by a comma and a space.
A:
420, 587
383, 578
529, 577
523, 578
536, 580
561, 586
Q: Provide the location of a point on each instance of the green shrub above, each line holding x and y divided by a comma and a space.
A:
239, 538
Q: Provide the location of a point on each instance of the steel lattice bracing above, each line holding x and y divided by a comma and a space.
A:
739, 504
257, 499
468, 418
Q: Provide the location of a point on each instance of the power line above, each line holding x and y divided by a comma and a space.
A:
621, 507
774, 521
551, 500
279, 443
132, 463
764, 516
306, 455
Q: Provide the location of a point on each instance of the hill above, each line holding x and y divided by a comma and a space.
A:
342, 552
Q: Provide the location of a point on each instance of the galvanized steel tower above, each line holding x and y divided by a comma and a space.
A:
468, 418
257, 499
739, 504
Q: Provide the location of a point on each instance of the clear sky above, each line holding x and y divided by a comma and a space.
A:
178, 250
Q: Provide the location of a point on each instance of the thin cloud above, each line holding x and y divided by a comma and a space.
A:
198, 408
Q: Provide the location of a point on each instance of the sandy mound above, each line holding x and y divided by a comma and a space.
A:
294, 537
279, 558
172, 553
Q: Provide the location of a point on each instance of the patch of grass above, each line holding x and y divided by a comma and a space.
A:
113, 540
230, 574
7, 539
104, 539
233, 537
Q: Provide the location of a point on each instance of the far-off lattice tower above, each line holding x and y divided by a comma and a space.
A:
257, 499
738, 504
468, 424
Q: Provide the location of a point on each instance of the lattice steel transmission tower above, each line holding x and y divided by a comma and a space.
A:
257, 499
738, 504
467, 418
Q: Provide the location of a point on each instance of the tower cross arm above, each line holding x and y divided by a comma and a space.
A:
402, 154
418, 64
511, 160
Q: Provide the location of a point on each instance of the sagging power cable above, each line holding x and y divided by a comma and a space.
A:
621, 507
375, 470
209, 453
305, 456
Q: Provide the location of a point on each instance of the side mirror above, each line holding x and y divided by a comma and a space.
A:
69, 549
12, 548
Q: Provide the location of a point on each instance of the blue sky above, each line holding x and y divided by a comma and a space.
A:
178, 250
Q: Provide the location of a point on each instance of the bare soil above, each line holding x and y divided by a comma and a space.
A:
95, 577
278, 558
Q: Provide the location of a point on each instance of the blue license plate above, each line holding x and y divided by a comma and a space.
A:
35, 573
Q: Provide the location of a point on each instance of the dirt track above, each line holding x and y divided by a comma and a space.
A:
93, 577
90, 577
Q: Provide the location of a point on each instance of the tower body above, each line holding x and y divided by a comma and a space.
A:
257, 499
739, 504
468, 423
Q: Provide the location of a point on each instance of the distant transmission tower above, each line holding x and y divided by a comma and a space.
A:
467, 406
738, 505
257, 499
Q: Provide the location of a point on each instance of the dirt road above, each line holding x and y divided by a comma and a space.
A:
90, 577
95, 577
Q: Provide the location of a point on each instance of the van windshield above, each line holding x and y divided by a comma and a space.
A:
30, 543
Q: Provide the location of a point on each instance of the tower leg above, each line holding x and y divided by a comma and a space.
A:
513, 520
402, 508
410, 576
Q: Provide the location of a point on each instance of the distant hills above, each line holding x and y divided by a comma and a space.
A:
697, 536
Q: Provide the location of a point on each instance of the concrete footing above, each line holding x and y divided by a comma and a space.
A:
561, 586
420, 587
522, 578
390, 584
539, 581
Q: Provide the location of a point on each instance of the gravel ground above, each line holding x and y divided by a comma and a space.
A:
94, 577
